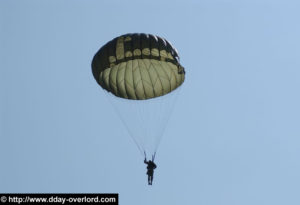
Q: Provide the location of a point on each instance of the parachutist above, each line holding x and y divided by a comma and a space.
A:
150, 170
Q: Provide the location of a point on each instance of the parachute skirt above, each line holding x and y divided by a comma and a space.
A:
141, 79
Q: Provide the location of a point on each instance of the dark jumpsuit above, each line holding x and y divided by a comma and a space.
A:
150, 170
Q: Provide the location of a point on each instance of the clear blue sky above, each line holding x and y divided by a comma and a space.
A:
234, 135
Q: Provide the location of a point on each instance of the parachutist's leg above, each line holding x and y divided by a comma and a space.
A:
149, 179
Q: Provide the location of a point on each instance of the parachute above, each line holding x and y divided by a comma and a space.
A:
141, 73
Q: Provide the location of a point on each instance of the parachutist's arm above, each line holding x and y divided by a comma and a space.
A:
145, 160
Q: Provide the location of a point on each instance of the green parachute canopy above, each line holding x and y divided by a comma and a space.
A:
138, 67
